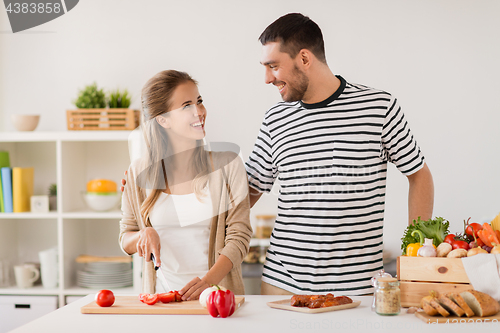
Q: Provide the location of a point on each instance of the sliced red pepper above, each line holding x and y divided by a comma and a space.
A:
221, 303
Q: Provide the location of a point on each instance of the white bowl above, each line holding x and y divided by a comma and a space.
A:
25, 122
102, 202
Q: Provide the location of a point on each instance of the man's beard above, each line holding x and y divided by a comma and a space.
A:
298, 87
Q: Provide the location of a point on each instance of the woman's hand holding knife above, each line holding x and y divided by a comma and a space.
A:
149, 244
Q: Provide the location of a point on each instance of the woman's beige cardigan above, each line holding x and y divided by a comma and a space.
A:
230, 229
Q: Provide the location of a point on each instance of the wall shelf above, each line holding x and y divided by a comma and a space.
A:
9, 216
69, 159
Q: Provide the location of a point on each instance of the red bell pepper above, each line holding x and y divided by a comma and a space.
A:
221, 303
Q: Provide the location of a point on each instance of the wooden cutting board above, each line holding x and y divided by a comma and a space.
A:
285, 305
454, 319
132, 305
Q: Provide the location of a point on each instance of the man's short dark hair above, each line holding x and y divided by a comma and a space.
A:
295, 32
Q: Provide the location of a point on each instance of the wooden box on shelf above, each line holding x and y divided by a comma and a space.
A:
419, 275
102, 119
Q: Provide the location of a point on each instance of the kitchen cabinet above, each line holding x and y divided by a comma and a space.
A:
18, 310
70, 160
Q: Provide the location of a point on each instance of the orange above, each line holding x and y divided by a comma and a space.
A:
101, 185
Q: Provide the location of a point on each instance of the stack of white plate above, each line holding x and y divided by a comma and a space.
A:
99, 275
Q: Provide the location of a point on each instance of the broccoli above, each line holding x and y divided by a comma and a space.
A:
436, 229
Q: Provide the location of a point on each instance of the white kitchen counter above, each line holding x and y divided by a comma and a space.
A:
254, 316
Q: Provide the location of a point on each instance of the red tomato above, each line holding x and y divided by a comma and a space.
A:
460, 244
149, 299
178, 297
450, 239
473, 228
105, 298
166, 297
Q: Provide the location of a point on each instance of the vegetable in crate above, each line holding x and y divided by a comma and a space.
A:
413, 248
437, 229
471, 229
489, 236
427, 250
443, 249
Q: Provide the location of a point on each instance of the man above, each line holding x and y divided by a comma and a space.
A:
328, 143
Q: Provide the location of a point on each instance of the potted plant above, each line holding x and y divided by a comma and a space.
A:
92, 113
52, 197
91, 97
119, 99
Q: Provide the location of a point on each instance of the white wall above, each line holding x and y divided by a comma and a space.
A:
440, 58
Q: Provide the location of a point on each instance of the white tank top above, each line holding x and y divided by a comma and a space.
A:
183, 224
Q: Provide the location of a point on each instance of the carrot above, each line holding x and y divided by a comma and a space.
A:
490, 234
484, 238
497, 232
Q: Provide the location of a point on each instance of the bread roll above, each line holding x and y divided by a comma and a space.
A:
482, 304
461, 303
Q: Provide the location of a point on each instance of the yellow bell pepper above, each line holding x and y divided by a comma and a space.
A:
412, 249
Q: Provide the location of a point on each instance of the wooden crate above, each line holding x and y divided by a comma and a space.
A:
418, 275
102, 119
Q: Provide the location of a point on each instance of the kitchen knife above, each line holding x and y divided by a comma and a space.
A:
162, 277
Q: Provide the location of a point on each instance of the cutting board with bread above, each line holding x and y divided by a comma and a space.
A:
467, 306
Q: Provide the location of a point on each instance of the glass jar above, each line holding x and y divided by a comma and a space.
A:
264, 226
380, 274
387, 296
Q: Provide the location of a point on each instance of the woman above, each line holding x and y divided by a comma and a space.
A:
186, 206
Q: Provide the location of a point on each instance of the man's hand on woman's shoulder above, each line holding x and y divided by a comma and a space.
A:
124, 182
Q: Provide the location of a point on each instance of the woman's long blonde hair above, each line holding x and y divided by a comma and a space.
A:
156, 100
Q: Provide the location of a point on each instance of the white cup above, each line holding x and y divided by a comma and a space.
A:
48, 268
26, 275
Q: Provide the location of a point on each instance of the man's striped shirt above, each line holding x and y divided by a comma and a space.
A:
331, 162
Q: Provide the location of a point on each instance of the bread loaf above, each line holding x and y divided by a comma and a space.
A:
482, 304
425, 303
450, 306
442, 311
461, 303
